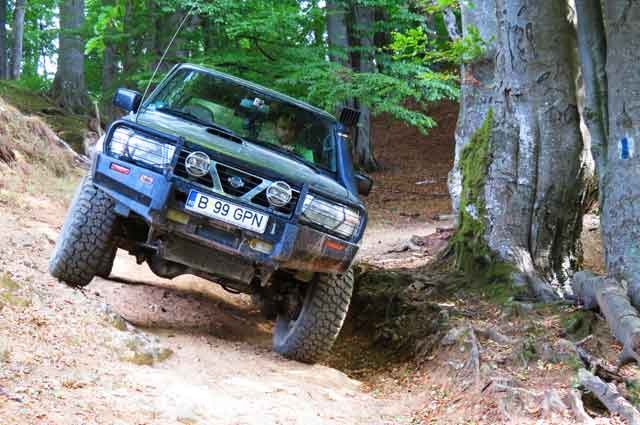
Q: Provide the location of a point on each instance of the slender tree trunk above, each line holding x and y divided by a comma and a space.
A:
337, 32
382, 37
364, 18
18, 39
4, 62
528, 209
69, 89
109, 71
476, 88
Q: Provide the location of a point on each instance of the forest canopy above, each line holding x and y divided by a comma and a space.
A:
384, 56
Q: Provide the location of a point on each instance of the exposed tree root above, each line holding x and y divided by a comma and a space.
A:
474, 357
575, 401
599, 367
494, 335
609, 396
612, 300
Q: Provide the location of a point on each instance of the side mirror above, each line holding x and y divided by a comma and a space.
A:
129, 100
364, 184
349, 117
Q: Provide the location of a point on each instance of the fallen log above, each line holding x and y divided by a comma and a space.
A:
610, 297
609, 396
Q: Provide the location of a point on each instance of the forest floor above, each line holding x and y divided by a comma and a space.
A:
421, 345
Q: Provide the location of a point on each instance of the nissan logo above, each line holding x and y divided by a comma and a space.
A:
197, 164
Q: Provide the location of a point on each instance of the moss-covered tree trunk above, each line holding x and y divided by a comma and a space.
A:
523, 172
476, 86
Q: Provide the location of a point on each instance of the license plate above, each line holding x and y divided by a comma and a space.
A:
228, 212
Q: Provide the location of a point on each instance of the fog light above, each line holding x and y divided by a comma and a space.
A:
177, 216
260, 246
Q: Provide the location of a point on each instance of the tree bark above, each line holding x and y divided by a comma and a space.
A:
18, 39
476, 88
69, 89
529, 209
4, 62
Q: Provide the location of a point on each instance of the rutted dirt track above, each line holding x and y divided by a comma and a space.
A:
63, 363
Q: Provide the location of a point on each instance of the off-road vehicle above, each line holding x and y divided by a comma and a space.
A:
224, 179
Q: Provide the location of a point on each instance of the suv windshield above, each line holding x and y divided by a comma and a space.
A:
253, 115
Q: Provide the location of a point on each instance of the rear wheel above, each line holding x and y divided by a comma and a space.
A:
86, 246
309, 334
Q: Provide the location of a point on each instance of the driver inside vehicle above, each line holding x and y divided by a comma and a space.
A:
288, 134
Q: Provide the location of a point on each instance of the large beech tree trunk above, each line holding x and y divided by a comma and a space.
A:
528, 209
621, 172
69, 89
476, 87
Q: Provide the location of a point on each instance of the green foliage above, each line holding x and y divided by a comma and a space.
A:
417, 46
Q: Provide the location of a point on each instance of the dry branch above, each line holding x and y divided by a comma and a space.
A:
612, 300
79, 160
609, 396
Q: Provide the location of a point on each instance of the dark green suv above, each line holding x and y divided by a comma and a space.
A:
224, 179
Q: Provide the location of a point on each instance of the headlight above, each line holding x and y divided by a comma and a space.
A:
334, 217
127, 145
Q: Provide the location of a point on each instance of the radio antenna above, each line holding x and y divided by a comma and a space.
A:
153, 77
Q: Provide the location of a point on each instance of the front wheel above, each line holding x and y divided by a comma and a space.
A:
86, 246
309, 336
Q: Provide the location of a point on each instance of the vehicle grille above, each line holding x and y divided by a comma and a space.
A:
227, 175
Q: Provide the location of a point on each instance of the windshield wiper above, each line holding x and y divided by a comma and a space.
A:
189, 116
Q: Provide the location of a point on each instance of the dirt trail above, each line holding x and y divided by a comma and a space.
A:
62, 367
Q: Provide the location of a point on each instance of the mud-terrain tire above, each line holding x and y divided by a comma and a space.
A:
104, 270
86, 246
311, 335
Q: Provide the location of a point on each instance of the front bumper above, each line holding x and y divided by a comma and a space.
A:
209, 245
